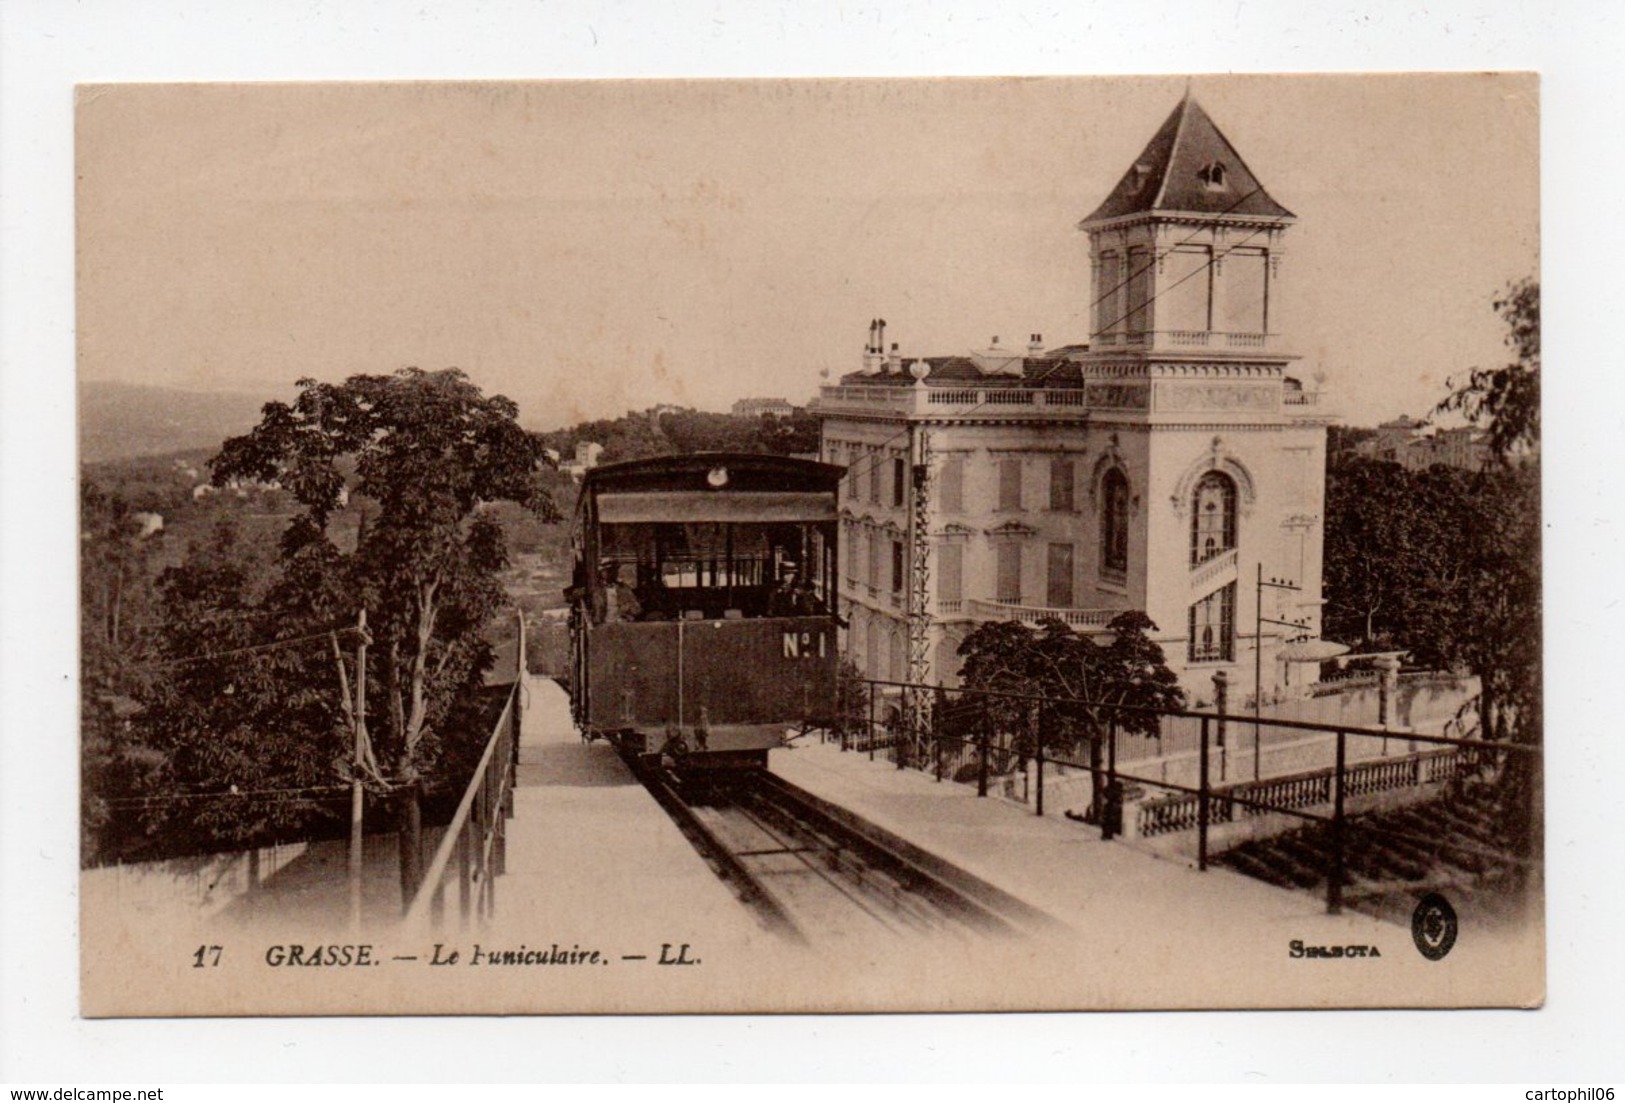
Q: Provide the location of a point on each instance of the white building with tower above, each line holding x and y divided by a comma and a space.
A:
1164, 466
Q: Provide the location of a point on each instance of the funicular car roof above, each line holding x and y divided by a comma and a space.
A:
685, 480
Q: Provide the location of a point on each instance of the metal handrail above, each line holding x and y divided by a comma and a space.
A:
1235, 718
1216, 804
475, 866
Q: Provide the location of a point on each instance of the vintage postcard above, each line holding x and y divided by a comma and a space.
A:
810, 546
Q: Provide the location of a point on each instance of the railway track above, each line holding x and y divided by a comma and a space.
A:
811, 873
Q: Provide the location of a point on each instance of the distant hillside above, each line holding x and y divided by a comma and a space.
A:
123, 420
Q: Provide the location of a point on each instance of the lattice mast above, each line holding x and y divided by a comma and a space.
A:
919, 587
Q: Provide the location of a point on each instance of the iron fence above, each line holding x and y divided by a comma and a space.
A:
473, 852
979, 736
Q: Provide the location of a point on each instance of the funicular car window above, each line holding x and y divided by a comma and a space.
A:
715, 570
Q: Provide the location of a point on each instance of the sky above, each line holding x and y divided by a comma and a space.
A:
592, 247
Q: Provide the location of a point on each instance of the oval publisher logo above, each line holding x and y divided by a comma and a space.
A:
1434, 926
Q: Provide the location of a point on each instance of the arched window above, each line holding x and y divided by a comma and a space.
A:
1114, 524
1213, 521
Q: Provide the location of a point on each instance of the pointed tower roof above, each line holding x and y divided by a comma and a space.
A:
1189, 166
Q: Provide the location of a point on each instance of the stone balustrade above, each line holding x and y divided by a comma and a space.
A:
981, 609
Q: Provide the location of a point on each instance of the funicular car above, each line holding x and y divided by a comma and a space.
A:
703, 604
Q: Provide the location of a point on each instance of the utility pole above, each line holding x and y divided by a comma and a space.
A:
357, 833
1258, 652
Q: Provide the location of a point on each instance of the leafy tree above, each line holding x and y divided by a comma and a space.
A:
851, 699
798, 434
1342, 439
1506, 400
115, 579
1368, 535
1395, 556
1445, 563
663, 431
1000, 655
244, 706
116, 612
1500, 636
1086, 686
429, 450
1495, 607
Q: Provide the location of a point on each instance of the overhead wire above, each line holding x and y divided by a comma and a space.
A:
272, 646
155, 800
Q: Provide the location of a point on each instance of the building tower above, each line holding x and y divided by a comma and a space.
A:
1165, 466
1186, 257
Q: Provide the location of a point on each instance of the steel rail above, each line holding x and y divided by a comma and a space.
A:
802, 854
916, 879
769, 912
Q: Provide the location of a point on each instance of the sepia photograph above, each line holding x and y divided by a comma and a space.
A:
800, 546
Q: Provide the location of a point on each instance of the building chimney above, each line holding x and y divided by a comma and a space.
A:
894, 362
1035, 345
871, 351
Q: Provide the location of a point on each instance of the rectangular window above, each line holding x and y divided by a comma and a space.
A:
1009, 582
1244, 300
1108, 295
947, 664
950, 572
1213, 627
899, 482
896, 566
1139, 278
1187, 298
1010, 483
953, 484
1060, 484
1059, 591
875, 564
1114, 527
851, 474
874, 476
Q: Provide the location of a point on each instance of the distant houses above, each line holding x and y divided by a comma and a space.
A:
242, 488
1402, 441
586, 458
756, 407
